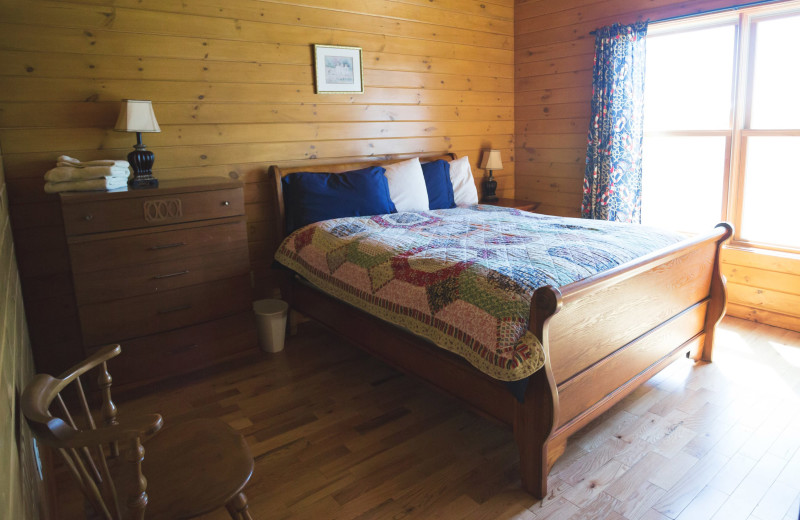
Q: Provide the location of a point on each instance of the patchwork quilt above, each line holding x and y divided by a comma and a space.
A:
463, 277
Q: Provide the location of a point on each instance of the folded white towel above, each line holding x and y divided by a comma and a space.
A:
104, 183
117, 164
65, 160
68, 173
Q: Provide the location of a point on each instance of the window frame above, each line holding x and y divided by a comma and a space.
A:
734, 174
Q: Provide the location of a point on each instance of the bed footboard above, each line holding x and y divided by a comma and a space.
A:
607, 334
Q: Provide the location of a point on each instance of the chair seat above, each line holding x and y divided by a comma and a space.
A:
194, 467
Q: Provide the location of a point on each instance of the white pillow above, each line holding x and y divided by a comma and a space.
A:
407, 185
464, 191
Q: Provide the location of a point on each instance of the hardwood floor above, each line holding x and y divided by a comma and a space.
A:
338, 435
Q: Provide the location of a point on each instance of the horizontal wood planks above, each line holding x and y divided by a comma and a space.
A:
554, 55
232, 86
763, 286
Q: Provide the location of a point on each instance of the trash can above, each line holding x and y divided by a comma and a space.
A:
271, 322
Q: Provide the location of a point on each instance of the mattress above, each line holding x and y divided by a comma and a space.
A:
464, 277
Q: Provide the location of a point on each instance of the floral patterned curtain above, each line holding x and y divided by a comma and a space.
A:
612, 184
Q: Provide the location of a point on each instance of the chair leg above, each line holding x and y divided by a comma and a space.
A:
237, 508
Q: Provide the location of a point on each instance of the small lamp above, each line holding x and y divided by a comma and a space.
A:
491, 161
137, 116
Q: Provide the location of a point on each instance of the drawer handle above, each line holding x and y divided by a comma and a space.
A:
170, 275
167, 246
226, 203
175, 309
87, 218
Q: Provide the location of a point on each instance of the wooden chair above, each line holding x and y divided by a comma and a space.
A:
190, 469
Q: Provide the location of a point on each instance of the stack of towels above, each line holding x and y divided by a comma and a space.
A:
73, 175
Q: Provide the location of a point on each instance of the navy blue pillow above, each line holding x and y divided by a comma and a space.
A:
440, 187
311, 197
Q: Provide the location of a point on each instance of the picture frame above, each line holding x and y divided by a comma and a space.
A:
338, 70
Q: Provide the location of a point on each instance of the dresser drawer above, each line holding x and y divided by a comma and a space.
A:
111, 214
181, 351
113, 321
154, 246
151, 278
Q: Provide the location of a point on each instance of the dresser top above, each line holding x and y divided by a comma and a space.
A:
165, 187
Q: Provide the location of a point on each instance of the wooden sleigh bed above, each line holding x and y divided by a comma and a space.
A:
602, 336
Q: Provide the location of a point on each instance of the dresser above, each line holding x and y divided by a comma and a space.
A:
165, 272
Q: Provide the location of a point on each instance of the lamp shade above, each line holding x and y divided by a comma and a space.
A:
136, 116
491, 160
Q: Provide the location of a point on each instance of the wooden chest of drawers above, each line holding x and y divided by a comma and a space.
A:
164, 272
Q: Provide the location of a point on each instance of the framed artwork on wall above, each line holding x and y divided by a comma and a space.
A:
338, 69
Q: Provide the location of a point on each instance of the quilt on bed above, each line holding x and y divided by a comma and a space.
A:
463, 277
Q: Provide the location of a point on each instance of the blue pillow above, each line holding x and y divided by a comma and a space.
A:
311, 197
440, 187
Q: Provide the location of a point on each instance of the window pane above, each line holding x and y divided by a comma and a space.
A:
776, 75
688, 80
771, 188
682, 182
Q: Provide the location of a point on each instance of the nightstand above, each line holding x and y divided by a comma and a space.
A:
164, 272
524, 205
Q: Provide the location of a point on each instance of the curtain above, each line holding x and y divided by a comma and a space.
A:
612, 184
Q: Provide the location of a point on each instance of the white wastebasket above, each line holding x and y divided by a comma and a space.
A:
271, 321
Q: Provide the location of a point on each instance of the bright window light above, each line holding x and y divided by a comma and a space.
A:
689, 80
771, 185
722, 125
688, 90
790, 354
682, 189
776, 104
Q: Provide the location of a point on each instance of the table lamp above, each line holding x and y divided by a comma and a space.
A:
137, 116
491, 161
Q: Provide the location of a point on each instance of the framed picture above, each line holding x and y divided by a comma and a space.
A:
338, 69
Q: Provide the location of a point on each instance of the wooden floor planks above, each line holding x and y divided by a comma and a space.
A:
339, 435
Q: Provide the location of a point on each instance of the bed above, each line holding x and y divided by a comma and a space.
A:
599, 337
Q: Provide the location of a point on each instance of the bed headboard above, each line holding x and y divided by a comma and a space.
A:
277, 173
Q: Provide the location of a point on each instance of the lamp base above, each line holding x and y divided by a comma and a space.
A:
141, 161
143, 181
489, 188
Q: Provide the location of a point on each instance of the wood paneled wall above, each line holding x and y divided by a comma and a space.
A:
232, 87
20, 485
763, 286
553, 86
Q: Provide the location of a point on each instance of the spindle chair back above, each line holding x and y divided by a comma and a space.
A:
88, 451
193, 467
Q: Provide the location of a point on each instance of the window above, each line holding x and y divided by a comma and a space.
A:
722, 125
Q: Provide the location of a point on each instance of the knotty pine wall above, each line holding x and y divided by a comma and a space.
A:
763, 286
232, 87
553, 87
